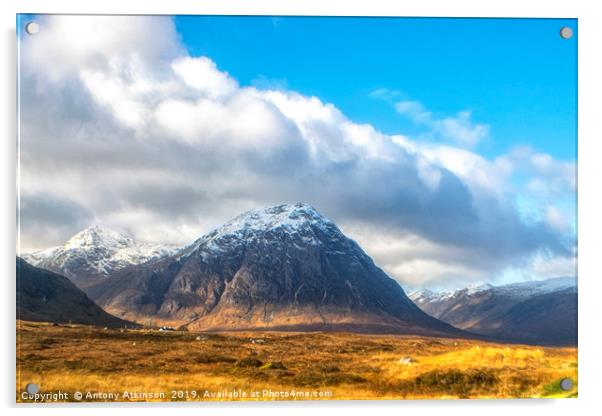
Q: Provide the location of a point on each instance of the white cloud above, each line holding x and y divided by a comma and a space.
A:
135, 133
547, 176
477, 172
459, 129
66, 44
243, 121
541, 266
417, 262
202, 74
545, 266
556, 219
415, 111
385, 94
119, 97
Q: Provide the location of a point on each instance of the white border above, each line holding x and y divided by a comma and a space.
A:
589, 209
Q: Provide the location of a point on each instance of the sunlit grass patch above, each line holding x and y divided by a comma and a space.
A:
347, 366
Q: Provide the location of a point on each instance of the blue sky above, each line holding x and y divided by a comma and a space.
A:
516, 75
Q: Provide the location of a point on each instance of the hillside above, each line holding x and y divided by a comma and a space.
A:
45, 296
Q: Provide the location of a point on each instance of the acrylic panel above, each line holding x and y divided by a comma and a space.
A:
295, 208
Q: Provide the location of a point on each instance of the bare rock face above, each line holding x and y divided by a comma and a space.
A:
283, 267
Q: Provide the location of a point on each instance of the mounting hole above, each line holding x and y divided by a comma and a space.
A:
32, 388
32, 28
566, 384
566, 32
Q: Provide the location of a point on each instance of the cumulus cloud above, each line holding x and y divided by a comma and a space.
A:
202, 74
129, 130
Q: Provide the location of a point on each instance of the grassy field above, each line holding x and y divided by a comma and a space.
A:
148, 365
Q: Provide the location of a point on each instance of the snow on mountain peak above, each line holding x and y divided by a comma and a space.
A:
422, 295
285, 215
517, 290
300, 221
97, 251
98, 236
472, 289
540, 286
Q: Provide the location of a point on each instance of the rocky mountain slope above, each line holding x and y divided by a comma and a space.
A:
45, 296
96, 252
543, 312
283, 267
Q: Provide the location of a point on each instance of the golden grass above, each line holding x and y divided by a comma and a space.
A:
312, 366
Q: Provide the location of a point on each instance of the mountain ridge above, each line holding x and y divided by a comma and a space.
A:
521, 289
287, 267
284, 266
96, 252
542, 312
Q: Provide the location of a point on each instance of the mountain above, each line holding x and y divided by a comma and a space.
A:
549, 318
541, 312
49, 297
96, 252
282, 267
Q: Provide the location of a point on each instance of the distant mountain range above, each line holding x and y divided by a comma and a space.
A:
542, 312
288, 267
49, 297
283, 267
94, 253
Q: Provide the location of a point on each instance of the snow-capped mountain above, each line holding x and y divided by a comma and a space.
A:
536, 311
300, 222
520, 290
538, 287
96, 252
282, 267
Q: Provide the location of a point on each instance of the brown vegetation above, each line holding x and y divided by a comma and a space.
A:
206, 366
